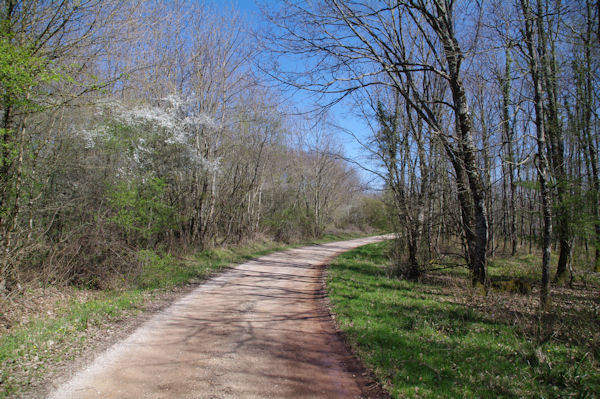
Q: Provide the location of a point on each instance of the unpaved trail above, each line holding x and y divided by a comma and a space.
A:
259, 330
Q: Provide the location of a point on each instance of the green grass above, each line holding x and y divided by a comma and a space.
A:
164, 271
420, 344
527, 266
29, 350
26, 351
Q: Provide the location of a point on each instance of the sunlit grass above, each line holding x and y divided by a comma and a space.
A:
420, 344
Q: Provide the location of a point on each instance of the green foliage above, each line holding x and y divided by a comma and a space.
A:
23, 75
20, 71
120, 138
8, 148
421, 344
375, 214
141, 207
157, 270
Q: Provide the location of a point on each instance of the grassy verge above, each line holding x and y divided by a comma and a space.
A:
66, 327
27, 351
421, 343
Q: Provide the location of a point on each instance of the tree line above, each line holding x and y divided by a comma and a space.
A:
142, 125
484, 119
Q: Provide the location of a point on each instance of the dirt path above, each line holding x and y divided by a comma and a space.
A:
258, 331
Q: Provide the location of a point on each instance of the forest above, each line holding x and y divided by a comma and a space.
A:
484, 120
136, 126
135, 131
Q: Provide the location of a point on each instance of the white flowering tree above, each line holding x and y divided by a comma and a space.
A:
159, 157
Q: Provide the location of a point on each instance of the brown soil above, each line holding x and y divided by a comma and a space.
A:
261, 330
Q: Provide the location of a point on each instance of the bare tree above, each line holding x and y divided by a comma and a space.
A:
543, 167
353, 45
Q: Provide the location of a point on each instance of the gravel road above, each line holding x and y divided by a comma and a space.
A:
259, 330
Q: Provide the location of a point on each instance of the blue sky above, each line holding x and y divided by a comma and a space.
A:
340, 113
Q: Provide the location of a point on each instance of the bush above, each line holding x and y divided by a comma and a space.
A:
140, 208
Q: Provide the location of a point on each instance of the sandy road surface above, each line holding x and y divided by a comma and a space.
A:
259, 330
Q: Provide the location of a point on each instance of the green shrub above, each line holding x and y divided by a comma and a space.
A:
140, 207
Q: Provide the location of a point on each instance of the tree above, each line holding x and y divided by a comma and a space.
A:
349, 46
407, 177
543, 166
43, 65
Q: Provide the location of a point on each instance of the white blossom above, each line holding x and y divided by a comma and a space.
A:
90, 136
177, 121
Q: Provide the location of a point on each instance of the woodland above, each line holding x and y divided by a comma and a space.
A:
135, 130
484, 121
130, 127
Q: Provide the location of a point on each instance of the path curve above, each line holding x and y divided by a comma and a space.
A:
259, 330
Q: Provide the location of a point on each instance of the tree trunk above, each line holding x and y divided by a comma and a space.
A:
555, 139
467, 152
542, 161
508, 144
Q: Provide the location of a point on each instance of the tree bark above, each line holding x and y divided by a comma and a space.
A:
547, 59
453, 54
507, 129
542, 160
